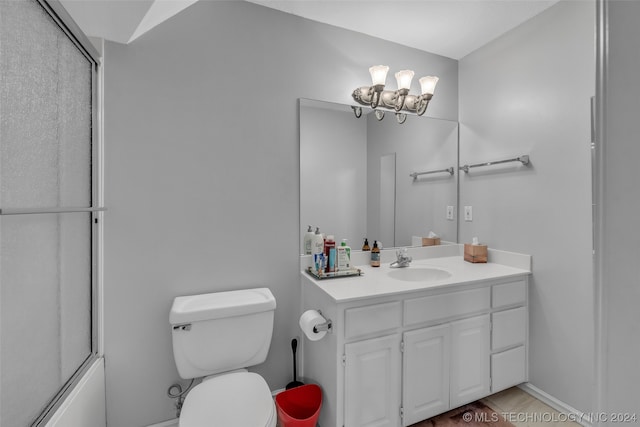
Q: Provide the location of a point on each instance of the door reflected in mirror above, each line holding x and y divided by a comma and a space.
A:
355, 175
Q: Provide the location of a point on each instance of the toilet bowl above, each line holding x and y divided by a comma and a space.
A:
239, 399
217, 336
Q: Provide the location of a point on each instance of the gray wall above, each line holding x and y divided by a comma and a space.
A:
528, 93
201, 178
619, 202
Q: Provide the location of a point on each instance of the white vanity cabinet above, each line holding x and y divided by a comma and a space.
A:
372, 382
446, 365
470, 375
426, 361
397, 359
509, 322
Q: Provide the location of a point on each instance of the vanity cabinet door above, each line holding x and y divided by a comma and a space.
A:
372, 382
425, 373
508, 343
508, 368
470, 375
509, 328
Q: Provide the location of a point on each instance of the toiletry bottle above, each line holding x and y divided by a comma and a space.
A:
317, 251
330, 253
308, 239
375, 255
317, 243
344, 256
365, 246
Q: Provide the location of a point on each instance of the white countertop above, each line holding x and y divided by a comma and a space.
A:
376, 282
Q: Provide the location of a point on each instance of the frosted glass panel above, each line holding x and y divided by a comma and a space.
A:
74, 126
45, 162
45, 316
75, 291
45, 112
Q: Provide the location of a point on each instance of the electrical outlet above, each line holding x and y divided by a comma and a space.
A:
468, 213
450, 213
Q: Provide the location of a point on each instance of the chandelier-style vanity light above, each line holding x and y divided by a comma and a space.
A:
375, 96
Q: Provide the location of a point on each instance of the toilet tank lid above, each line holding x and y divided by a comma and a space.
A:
216, 305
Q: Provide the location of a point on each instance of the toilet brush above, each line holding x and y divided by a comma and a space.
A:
295, 382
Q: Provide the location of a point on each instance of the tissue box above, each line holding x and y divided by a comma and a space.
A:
430, 241
475, 253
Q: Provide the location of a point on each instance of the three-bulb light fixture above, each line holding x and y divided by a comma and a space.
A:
375, 96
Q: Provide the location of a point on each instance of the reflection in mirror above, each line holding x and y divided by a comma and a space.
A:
355, 175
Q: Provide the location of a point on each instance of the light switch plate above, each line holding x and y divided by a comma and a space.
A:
450, 213
468, 213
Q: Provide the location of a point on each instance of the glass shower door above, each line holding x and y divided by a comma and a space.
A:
47, 220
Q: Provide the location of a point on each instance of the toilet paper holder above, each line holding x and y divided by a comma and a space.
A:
326, 326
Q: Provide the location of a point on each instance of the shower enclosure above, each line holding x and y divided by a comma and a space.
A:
48, 218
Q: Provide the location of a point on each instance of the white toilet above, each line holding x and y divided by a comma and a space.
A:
217, 336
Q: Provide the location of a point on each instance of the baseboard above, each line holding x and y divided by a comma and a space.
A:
557, 404
168, 423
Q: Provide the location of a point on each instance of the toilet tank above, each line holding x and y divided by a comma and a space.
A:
221, 331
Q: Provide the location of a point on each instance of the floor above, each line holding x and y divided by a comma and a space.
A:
523, 410
516, 407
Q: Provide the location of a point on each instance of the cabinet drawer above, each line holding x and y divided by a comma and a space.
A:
509, 294
509, 328
372, 318
453, 304
508, 368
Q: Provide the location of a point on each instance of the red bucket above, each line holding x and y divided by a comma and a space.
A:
299, 406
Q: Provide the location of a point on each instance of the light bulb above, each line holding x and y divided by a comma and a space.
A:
379, 74
428, 84
404, 77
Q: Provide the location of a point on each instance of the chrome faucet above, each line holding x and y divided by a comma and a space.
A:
403, 259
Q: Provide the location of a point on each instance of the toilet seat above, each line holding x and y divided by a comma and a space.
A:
241, 399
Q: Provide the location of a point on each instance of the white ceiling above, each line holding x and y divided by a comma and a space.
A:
121, 21
451, 28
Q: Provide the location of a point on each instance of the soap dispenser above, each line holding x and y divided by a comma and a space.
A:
375, 255
365, 246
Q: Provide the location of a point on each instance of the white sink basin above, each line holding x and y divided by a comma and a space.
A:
419, 274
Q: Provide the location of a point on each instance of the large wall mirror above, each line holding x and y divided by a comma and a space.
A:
355, 175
